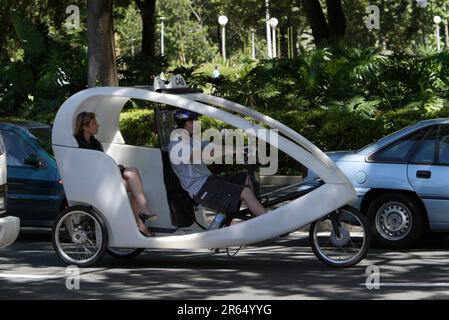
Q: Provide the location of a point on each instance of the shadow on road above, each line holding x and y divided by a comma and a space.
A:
284, 268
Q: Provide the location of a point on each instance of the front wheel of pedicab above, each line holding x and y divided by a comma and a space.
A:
342, 238
80, 236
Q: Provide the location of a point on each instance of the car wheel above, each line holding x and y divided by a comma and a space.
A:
397, 220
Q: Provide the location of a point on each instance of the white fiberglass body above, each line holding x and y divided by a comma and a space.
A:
9, 226
93, 178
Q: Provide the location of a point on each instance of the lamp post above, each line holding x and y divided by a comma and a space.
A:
422, 4
437, 20
273, 24
223, 20
253, 45
446, 33
132, 46
267, 17
162, 37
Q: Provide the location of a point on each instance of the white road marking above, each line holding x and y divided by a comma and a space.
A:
410, 284
29, 276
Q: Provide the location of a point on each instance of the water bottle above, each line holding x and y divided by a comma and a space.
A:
217, 222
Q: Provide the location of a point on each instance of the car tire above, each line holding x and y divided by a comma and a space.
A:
397, 220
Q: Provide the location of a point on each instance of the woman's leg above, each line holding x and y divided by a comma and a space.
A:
251, 201
135, 207
248, 183
134, 182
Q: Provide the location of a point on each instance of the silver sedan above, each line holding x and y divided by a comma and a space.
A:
402, 182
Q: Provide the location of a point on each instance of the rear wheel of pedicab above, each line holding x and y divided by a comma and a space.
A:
79, 236
124, 253
342, 238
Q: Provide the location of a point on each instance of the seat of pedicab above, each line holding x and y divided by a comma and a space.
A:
182, 206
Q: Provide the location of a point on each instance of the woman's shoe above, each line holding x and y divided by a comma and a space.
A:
148, 235
149, 217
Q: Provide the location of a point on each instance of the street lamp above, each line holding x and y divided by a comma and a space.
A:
273, 24
223, 20
437, 20
253, 45
162, 36
267, 17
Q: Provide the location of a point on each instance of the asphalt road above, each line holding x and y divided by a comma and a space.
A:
284, 268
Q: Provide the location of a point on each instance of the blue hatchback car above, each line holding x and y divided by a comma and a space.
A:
402, 182
35, 191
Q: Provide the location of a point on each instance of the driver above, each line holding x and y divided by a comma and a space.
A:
222, 193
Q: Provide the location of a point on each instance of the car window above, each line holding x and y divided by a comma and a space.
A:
384, 138
43, 138
399, 150
426, 149
17, 149
443, 145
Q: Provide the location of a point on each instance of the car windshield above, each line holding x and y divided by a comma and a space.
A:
43, 137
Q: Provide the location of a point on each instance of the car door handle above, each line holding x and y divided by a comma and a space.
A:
423, 174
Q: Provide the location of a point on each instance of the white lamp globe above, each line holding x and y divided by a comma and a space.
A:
273, 22
222, 20
421, 4
437, 19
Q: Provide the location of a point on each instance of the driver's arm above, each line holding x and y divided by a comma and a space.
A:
225, 150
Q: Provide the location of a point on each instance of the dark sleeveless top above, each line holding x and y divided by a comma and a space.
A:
93, 143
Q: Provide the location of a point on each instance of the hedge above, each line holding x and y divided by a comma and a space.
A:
329, 129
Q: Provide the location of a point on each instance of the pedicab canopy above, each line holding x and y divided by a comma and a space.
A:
107, 103
92, 178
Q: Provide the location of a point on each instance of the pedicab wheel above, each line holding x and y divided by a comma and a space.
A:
124, 253
342, 238
79, 236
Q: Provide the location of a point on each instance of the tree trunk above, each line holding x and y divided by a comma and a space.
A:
101, 51
336, 20
148, 12
317, 21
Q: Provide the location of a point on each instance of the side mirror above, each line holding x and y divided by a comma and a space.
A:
33, 160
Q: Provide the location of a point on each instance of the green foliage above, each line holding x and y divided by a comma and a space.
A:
186, 36
362, 81
137, 70
129, 29
403, 26
138, 127
50, 72
31, 39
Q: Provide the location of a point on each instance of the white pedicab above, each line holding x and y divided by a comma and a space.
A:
99, 218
